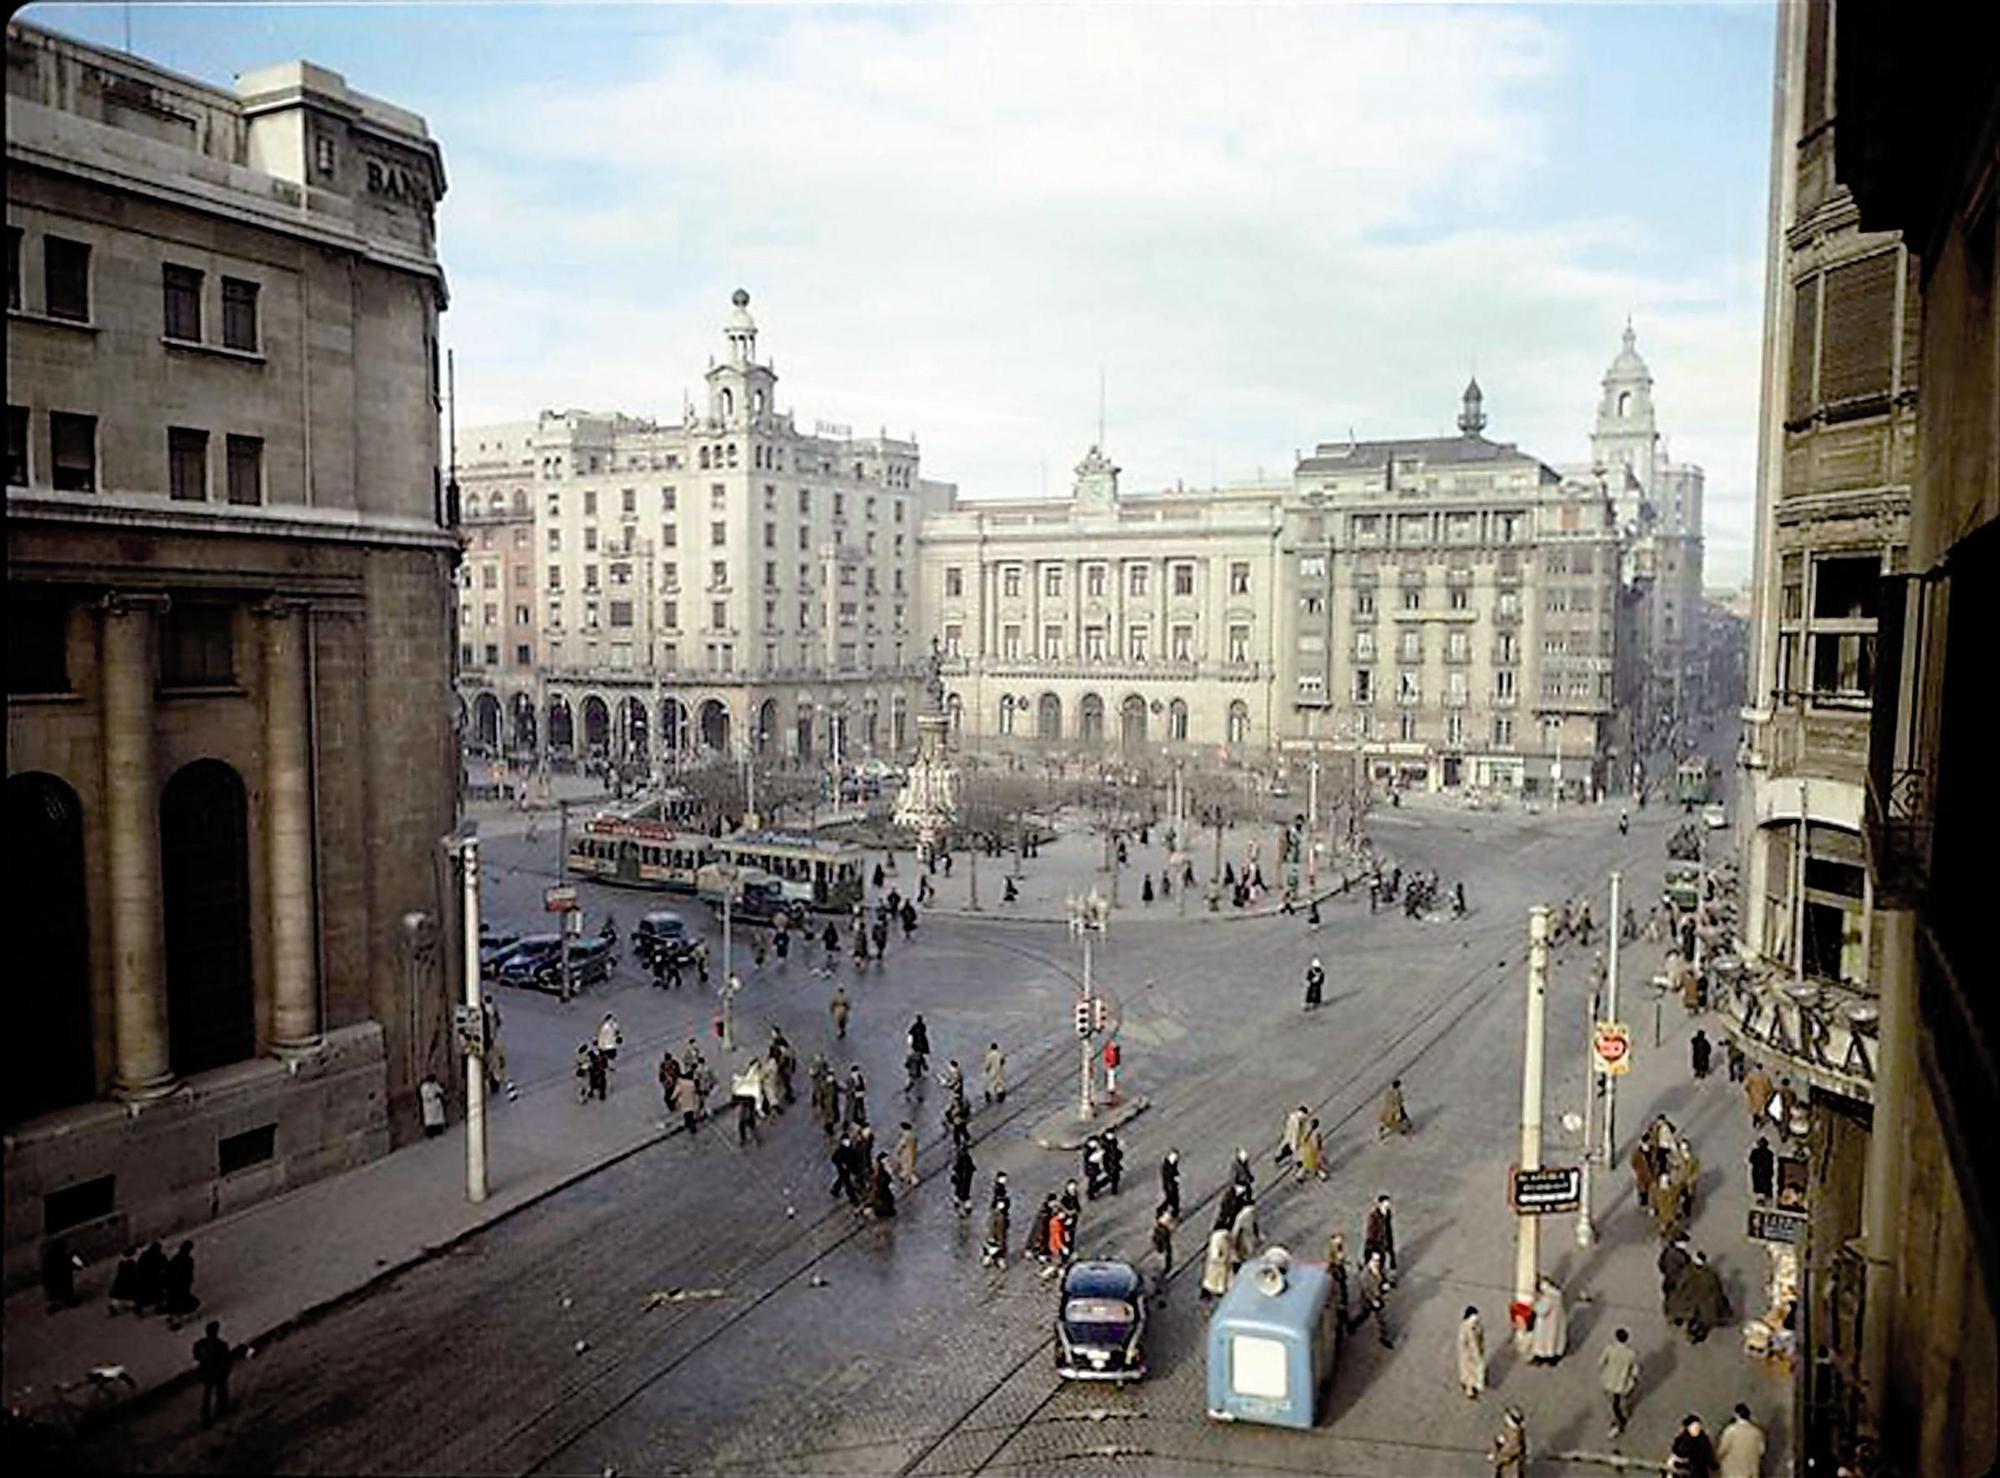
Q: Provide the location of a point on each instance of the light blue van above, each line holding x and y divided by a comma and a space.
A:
1273, 1342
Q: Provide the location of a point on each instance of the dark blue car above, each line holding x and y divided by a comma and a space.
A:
1101, 1322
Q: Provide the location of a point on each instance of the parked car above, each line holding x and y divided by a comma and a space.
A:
494, 946
1101, 1322
663, 936
536, 962
1715, 816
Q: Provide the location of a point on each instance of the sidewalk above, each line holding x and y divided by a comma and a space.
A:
284, 1262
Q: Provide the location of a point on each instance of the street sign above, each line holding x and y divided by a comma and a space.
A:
1611, 1047
1542, 1192
559, 900
1768, 1224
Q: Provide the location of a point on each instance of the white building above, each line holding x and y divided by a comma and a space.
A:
726, 580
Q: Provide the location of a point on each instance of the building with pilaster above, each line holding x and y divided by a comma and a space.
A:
229, 757
721, 585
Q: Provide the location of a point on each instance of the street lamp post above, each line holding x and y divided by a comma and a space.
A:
472, 1030
1087, 916
1527, 1228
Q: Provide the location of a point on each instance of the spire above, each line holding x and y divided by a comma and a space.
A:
741, 330
1472, 414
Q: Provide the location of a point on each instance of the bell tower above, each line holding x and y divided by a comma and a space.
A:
1626, 436
740, 389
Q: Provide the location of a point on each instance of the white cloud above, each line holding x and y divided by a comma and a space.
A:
1266, 224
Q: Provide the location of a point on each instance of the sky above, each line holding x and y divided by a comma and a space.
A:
1257, 226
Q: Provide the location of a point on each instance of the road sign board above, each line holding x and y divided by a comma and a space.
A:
1611, 1047
1767, 1224
559, 900
1540, 1192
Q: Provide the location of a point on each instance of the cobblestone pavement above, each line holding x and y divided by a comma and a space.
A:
845, 1347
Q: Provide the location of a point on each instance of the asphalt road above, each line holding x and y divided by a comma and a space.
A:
838, 1346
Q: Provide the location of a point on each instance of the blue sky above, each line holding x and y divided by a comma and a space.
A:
1266, 224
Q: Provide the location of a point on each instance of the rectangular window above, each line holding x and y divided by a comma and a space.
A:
1135, 643
1364, 646
954, 637
37, 645
14, 269
1409, 686
1503, 732
1454, 730
718, 574
1364, 603
1410, 643
718, 614
1183, 579
718, 534
1239, 644
555, 577
523, 657
197, 646
17, 446
1052, 643
1503, 685
1093, 580
1183, 644
1136, 580
555, 539
187, 464
1239, 578
66, 279
621, 613
1052, 580
1406, 727
590, 502
246, 469
73, 452
954, 582
1413, 597
1460, 598
1093, 643
1010, 643
181, 289
590, 537
1364, 685
1010, 581
239, 314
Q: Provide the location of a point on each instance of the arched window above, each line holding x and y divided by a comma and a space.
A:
1090, 719
1007, 714
49, 1063
1624, 404
1048, 719
520, 500
1239, 722
1177, 721
1132, 722
205, 873
728, 403
757, 404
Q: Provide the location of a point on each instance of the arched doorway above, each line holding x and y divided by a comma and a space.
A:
524, 724
714, 721
766, 732
49, 1059
562, 726
1132, 722
1239, 722
486, 721
1090, 719
871, 723
205, 872
636, 735
1048, 719
674, 725
596, 727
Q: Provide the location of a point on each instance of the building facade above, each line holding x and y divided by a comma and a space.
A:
229, 626
729, 584
1438, 612
1857, 989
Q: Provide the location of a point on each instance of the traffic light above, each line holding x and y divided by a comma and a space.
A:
1100, 1012
1083, 1017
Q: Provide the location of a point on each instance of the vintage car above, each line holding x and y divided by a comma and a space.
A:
1101, 1322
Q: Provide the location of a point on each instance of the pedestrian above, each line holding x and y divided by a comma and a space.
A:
1375, 1285
1739, 1450
1471, 1354
1170, 1183
1757, 1091
59, 1266
962, 1172
958, 1121
1062, 1243
1241, 1175
839, 1009
1550, 1337
1163, 1244
1618, 1377
430, 1099
770, 1099
1692, 1455
994, 1254
1642, 1175
1393, 1117
882, 1191
953, 1078
1509, 1456
1701, 1304
212, 1359
1295, 1125
1244, 1234
1700, 1050
178, 1300
125, 1284
993, 1072
1738, 1063
1037, 1245
685, 1098
1336, 1272
597, 1072
1779, 1111
1763, 1170
1378, 1235
906, 1153
1146, 890
1312, 1153
1114, 1161
745, 1090
1315, 984
857, 1097
1674, 1262
1215, 1268
152, 1278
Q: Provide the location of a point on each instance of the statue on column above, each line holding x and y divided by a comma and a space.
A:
934, 677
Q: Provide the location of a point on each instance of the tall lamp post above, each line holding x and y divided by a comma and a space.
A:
1087, 916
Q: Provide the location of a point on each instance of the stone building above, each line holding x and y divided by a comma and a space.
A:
1435, 613
724, 583
499, 587
1860, 953
229, 749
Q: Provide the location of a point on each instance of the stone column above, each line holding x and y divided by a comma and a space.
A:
143, 1067
288, 828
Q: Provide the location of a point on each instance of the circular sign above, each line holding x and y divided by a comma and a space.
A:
1611, 1044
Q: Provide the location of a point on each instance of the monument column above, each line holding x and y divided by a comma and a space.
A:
288, 828
129, 647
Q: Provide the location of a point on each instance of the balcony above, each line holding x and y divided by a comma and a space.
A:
1898, 820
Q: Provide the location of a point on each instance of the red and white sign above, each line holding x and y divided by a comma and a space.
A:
1611, 1047
560, 900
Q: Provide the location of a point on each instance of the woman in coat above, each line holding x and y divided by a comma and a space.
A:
1243, 1235
1215, 1265
1312, 1153
1471, 1354
1551, 1333
993, 1069
882, 1191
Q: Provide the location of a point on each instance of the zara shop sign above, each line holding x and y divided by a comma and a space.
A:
1795, 1022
